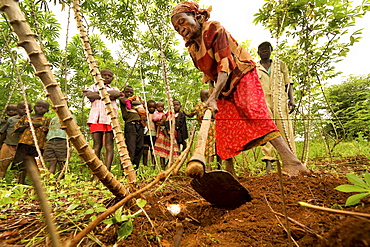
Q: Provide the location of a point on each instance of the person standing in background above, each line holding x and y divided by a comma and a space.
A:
278, 88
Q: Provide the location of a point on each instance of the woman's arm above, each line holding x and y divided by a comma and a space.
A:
215, 91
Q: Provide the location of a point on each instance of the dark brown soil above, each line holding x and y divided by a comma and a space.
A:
250, 224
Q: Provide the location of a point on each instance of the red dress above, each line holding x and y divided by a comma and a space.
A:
243, 120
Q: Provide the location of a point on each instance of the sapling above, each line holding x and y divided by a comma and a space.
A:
358, 185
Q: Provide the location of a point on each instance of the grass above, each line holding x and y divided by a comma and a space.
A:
247, 163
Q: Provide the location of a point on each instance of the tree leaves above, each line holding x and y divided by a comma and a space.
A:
351, 104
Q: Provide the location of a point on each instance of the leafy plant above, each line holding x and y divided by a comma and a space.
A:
358, 185
13, 196
126, 220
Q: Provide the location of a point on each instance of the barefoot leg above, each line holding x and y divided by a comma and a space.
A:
291, 164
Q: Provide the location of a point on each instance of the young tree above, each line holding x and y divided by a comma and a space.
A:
316, 31
350, 101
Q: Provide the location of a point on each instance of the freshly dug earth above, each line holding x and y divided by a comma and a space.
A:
253, 223
250, 224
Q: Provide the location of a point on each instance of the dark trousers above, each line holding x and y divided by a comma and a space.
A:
134, 134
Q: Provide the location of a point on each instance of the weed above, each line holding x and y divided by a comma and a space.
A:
15, 195
337, 206
213, 239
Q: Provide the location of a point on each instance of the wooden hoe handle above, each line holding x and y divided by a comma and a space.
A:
196, 164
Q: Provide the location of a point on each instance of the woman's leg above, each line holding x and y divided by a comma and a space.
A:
291, 164
163, 163
230, 166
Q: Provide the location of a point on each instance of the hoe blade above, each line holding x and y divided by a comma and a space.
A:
220, 188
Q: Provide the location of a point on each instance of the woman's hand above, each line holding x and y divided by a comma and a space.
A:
212, 105
215, 91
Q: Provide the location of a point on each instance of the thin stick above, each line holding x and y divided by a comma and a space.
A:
154, 229
178, 235
336, 211
126, 163
186, 152
65, 64
35, 177
305, 228
283, 202
282, 225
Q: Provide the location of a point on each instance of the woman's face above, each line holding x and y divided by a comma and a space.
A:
186, 25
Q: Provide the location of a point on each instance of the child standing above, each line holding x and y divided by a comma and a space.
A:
9, 140
11, 110
99, 121
181, 133
150, 135
26, 145
162, 145
159, 116
134, 129
199, 110
56, 145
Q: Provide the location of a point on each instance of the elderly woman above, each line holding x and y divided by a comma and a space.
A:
242, 117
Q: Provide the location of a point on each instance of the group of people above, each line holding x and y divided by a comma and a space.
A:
250, 101
146, 125
17, 140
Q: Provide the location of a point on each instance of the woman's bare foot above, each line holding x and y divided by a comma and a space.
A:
294, 169
292, 166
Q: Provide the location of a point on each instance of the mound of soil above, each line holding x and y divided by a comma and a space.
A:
251, 224
254, 223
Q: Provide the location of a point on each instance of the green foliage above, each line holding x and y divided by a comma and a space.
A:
126, 220
14, 195
358, 185
350, 102
146, 36
318, 29
45, 25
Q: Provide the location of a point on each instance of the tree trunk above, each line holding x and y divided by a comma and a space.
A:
120, 140
27, 40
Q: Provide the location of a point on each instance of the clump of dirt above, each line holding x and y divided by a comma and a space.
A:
250, 224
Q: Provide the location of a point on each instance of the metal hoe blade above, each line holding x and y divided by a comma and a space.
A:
220, 188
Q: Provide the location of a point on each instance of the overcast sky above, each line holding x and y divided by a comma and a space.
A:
237, 17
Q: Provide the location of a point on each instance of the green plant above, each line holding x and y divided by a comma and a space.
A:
213, 238
15, 195
358, 185
126, 220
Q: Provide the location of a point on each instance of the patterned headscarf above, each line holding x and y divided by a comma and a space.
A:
202, 15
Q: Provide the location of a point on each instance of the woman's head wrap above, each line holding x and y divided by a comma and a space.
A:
202, 15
